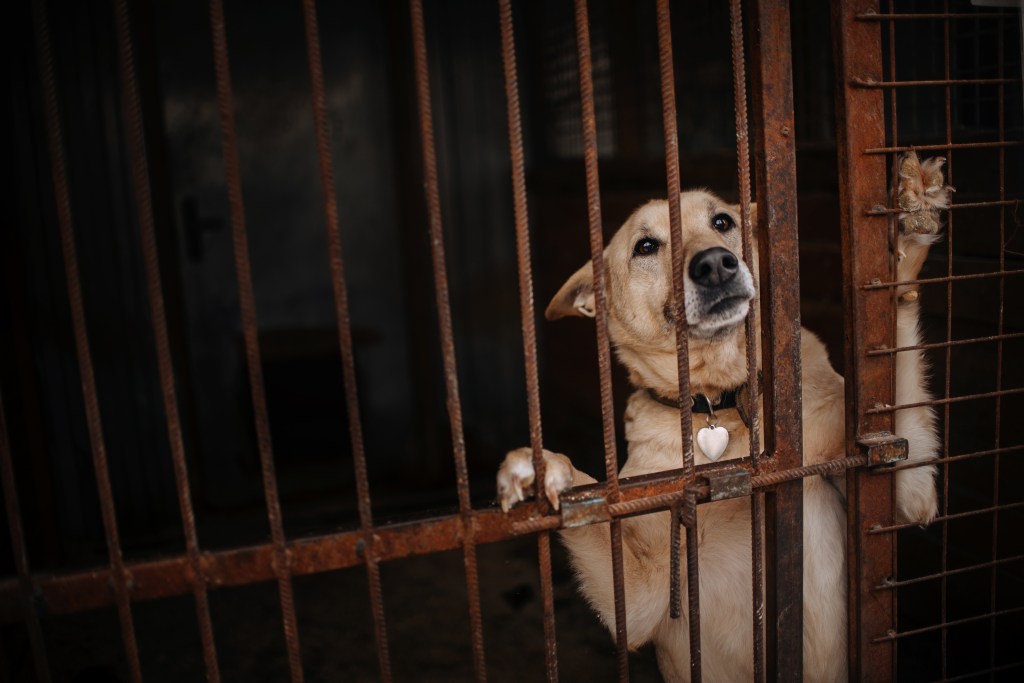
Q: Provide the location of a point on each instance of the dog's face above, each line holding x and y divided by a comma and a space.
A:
638, 266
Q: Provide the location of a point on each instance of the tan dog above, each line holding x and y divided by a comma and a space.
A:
719, 289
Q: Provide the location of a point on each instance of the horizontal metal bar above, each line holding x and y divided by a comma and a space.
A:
948, 278
884, 211
945, 146
957, 622
149, 580
956, 458
872, 83
945, 401
976, 674
872, 16
946, 518
889, 585
946, 344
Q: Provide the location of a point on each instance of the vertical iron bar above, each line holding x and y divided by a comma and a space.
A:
90, 399
341, 310
589, 121
780, 304
250, 332
868, 321
526, 303
444, 314
135, 139
13, 509
739, 78
668, 110
693, 588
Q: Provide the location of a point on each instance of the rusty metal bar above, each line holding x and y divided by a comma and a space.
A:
860, 113
881, 409
893, 635
957, 458
780, 316
890, 585
876, 283
868, 83
941, 345
739, 78
341, 309
136, 143
55, 139
945, 517
589, 125
668, 110
949, 146
21, 566
153, 579
444, 315
243, 272
879, 209
528, 316
888, 16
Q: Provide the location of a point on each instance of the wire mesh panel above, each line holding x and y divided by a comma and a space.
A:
961, 99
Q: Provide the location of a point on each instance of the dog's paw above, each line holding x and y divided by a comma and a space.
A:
917, 501
516, 477
922, 194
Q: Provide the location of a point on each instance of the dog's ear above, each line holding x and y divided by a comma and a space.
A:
576, 297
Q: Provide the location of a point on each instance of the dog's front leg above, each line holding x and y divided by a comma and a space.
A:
516, 477
922, 195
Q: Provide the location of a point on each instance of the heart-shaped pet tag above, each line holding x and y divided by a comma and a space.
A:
713, 441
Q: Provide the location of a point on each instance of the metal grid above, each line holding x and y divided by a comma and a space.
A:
870, 66
775, 475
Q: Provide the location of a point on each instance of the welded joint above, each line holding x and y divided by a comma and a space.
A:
580, 508
728, 482
883, 448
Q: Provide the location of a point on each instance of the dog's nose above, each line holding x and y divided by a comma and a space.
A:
713, 267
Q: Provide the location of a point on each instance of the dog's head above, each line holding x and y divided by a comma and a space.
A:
641, 305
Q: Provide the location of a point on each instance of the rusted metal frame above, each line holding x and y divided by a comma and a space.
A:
668, 110
51, 109
889, 585
780, 330
941, 345
878, 284
739, 79
165, 577
528, 316
868, 321
341, 309
136, 143
421, 69
999, 346
589, 126
893, 635
281, 562
26, 592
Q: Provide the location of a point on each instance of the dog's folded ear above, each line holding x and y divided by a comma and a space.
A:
576, 297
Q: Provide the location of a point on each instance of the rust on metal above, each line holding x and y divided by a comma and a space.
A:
732, 482
883, 448
583, 507
772, 78
118, 575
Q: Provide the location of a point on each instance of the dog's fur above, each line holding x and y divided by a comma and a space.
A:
642, 328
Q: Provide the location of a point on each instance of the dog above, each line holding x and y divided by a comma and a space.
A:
719, 291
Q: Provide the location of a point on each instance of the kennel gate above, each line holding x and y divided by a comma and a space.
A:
772, 479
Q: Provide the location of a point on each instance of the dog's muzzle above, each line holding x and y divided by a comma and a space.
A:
720, 294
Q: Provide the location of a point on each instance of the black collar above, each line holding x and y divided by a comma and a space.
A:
700, 403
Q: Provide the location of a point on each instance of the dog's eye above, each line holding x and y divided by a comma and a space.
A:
646, 246
723, 222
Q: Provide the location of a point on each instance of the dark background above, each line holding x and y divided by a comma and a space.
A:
367, 61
